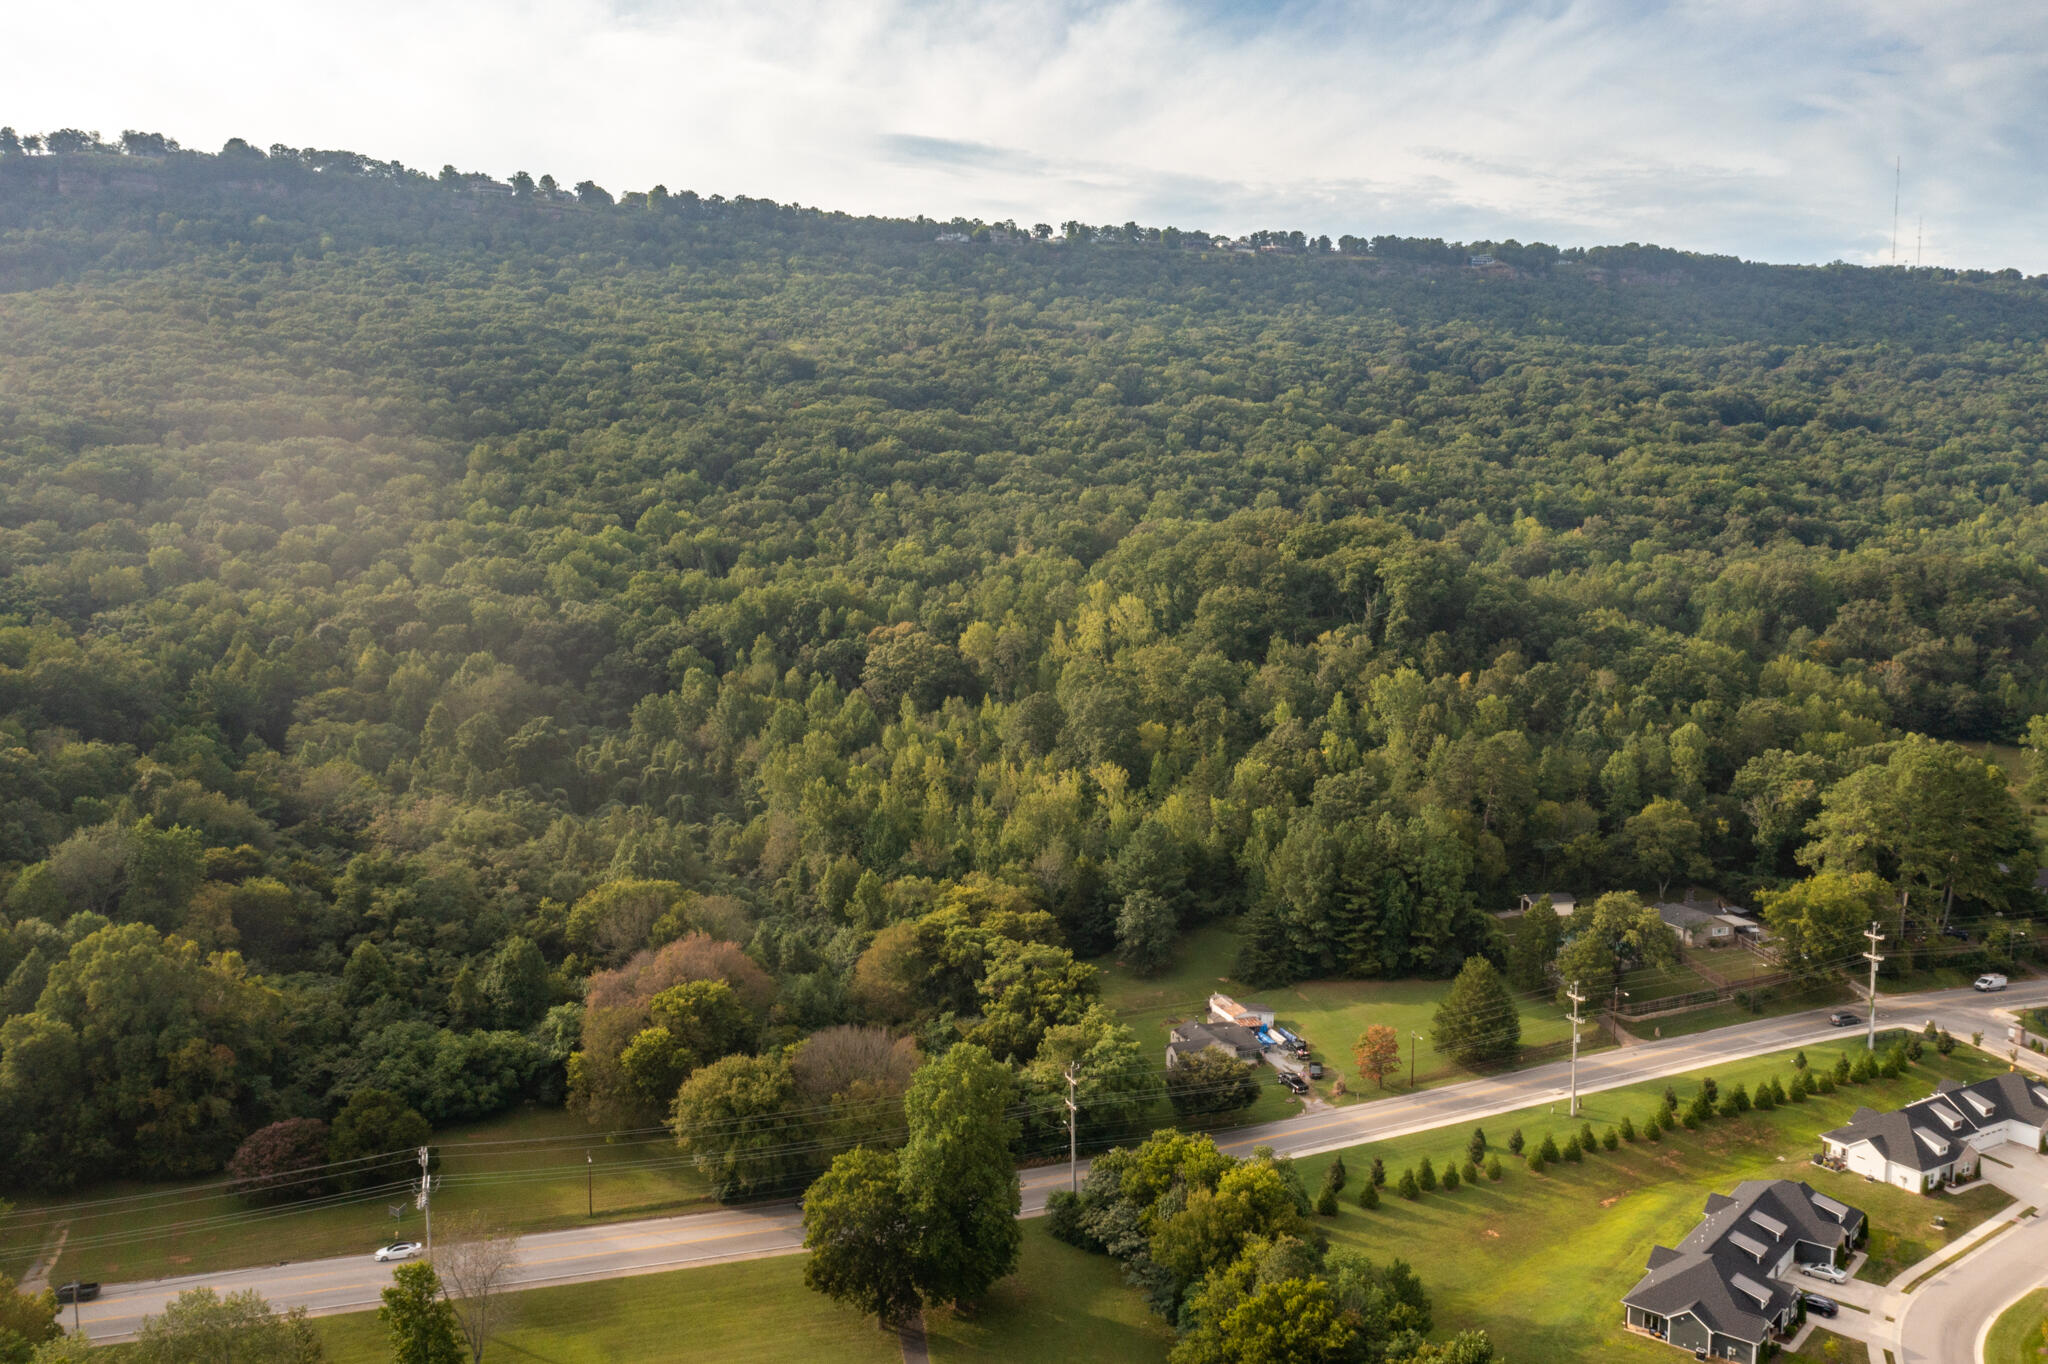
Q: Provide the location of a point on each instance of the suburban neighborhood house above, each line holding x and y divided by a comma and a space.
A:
1719, 1292
1937, 1140
1188, 1038
1709, 923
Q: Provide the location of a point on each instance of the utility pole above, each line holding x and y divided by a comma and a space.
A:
1577, 999
426, 1204
1073, 1114
1413, 1038
1614, 1014
589, 1190
1870, 1040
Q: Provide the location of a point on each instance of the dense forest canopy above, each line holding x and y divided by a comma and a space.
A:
446, 625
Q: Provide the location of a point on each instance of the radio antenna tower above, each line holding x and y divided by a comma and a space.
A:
1918, 241
1898, 167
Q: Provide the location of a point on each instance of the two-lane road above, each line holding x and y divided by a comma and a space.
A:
621, 1248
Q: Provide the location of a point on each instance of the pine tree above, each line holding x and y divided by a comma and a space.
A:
1369, 1196
1477, 1021
1425, 1175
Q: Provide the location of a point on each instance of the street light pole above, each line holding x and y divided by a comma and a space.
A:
589, 1189
1413, 1038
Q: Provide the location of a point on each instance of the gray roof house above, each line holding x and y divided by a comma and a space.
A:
1937, 1140
1696, 925
1188, 1038
1719, 1292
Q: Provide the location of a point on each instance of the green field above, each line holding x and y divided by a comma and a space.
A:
1062, 1304
1329, 1013
756, 1311
2020, 1335
525, 1170
1541, 1261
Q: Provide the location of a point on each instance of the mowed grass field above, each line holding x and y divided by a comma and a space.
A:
1063, 1304
1540, 1261
2020, 1335
525, 1170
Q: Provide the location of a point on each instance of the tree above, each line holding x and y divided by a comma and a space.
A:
1533, 940
419, 1320
281, 1162
1477, 1021
1611, 936
1936, 822
26, 1319
1664, 840
200, 1327
1115, 1080
374, 1139
1146, 929
959, 1181
1211, 1080
858, 1229
516, 984
1295, 1321
734, 1119
1819, 923
1028, 987
475, 1260
1377, 1051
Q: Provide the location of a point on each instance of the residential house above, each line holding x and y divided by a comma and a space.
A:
1721, 1292
1560, 903
1938, 1140
1188, 1038
1696, 926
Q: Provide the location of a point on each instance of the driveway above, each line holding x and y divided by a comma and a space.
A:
1947, 1317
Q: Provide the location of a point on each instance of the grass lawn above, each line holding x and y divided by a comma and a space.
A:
2016, 1337
525, 1169
755, 1310
1901, 1242
1775, 1004
1541, 1261
1330, 1013
1846, 1351
1062, 1304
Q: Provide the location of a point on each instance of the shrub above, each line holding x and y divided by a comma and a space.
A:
1628, 1128
1709, 1088
1799, 1088
278, 1163
1326, 1202
1369, 1196
1843, 1071
1655, 1133
1536, 1162
1587, 1141
1379, 1173
1914, 1050
1548, 1150
1337, 1176
1976, 1039
1470, 1174
1572, 1150
1515, 1142
1670, 1099
1475, 1149
1740, 1097
1764, 1101
1691, 1119
1450, 1178
1799, 1060
1613, 1138
1425, 1175
1493, 1171
1408, 1188
1063, 1218
1944, 1043
1827, 1084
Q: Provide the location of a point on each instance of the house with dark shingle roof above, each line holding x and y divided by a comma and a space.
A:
1938, 1139
1720, 1291
1188, 1038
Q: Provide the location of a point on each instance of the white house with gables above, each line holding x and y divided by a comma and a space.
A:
1938, 1140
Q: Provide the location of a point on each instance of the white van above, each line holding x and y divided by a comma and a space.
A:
1989, 981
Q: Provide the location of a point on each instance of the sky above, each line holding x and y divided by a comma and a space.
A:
1764, 130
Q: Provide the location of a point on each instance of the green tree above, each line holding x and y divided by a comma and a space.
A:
1664, 841
1212, 1080
1533, 940
374, 1137
858, 1229
1146, 929
516, 984
1819, 922
1477, 1022
958, 1176
1612, 936
200, 1327
1295, 1321
27, 1320
418, 1319
733, 1118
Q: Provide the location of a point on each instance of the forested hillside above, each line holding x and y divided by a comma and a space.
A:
440, 628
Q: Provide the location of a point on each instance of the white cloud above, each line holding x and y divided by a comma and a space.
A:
1766, 130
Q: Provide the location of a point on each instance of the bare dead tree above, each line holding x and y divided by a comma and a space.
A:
475, 1260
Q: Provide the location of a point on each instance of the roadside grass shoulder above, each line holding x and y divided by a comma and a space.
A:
1062, 1304
2020, 1335
1770, 1003
525, 1170
751, 1312
1540, 1261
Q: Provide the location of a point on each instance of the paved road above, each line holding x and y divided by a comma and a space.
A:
1947, 1316
615, 1249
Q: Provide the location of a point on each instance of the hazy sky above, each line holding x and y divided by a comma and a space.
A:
1763, 129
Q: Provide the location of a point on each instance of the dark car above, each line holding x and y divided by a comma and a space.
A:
1955, 933
1315, 1070
1843, 1018
1294, 1082
1819, 1306
77, 1292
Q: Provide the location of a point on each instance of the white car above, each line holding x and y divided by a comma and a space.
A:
399, 1250
1825, 1271
1988, 982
